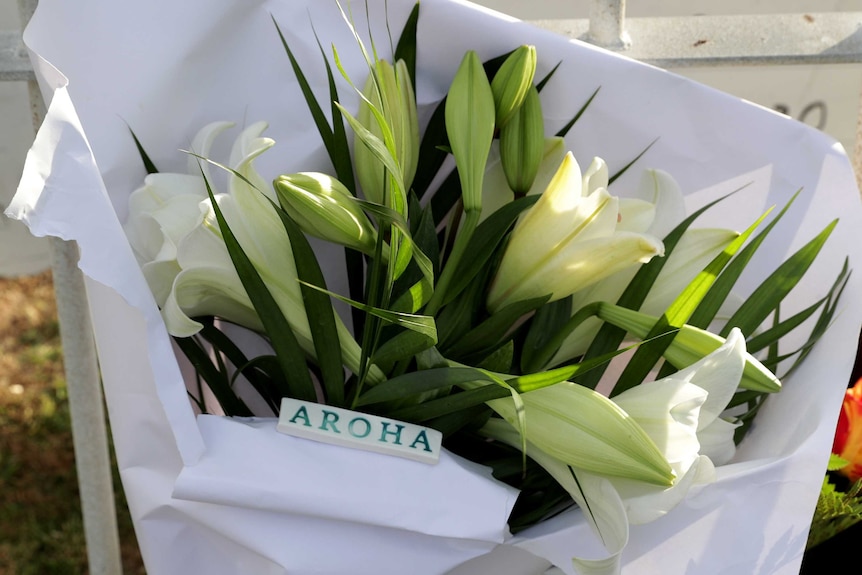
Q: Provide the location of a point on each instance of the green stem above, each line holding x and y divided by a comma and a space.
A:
458, 251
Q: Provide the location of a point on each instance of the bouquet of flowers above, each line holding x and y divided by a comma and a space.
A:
588, 352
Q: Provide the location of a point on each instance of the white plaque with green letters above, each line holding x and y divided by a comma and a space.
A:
348, 428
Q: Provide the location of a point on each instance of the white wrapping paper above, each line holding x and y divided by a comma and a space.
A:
214, 495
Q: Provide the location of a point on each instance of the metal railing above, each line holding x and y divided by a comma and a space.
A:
821, 38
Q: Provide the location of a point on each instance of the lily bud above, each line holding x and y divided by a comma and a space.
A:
522, 143
323, 207
584, 429
512, 82
397, 103
470, 127
689, 346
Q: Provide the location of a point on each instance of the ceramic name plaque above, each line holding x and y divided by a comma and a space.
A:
347, 428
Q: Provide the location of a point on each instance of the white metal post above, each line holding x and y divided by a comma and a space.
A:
89, 430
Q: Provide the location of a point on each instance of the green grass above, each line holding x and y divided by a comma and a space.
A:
41, 530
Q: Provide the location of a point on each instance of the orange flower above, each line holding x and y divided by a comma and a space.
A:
848, 435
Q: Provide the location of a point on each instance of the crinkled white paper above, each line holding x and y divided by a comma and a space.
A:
211, 495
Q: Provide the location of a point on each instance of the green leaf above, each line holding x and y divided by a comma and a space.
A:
406, 48
419, 382
494, 331
712, 302
263, 380
678, 313
422, 324
318, 309
825, 319
313, 106
533, 381
775, 288
779, 330
548, 320
625, 168
610, 337
217, 380
149, 166
380, 148
403, 346
450, 404
488, 236
339, 153
565, 129
431, 157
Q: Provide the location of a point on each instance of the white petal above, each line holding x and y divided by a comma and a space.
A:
716, 441
248, 146
596, 177
645, 503
204, 292
719, 374
160, 277
668, 411
145, 236
635, 215
158, 188
555, 151
202, 145
659, 188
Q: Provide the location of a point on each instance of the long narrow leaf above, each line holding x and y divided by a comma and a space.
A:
419, 382
318, 309
149, 166
450, 404
339, 151
678, 313
712, 302
406, 48
290, 355
610, 337
217, 381
320, 119
494, 331
775, 288
565, 129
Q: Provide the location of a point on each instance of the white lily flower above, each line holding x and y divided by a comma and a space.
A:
568, 240
174, 231
680, 413
657, 210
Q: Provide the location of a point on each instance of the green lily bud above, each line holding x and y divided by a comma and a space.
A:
397, 103
584, 429
689, 346
470, 126
323, 207
522, 144
512, 82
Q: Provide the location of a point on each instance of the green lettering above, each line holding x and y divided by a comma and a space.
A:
385, 431
353, 432
423, 439
330, 418
301, 413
